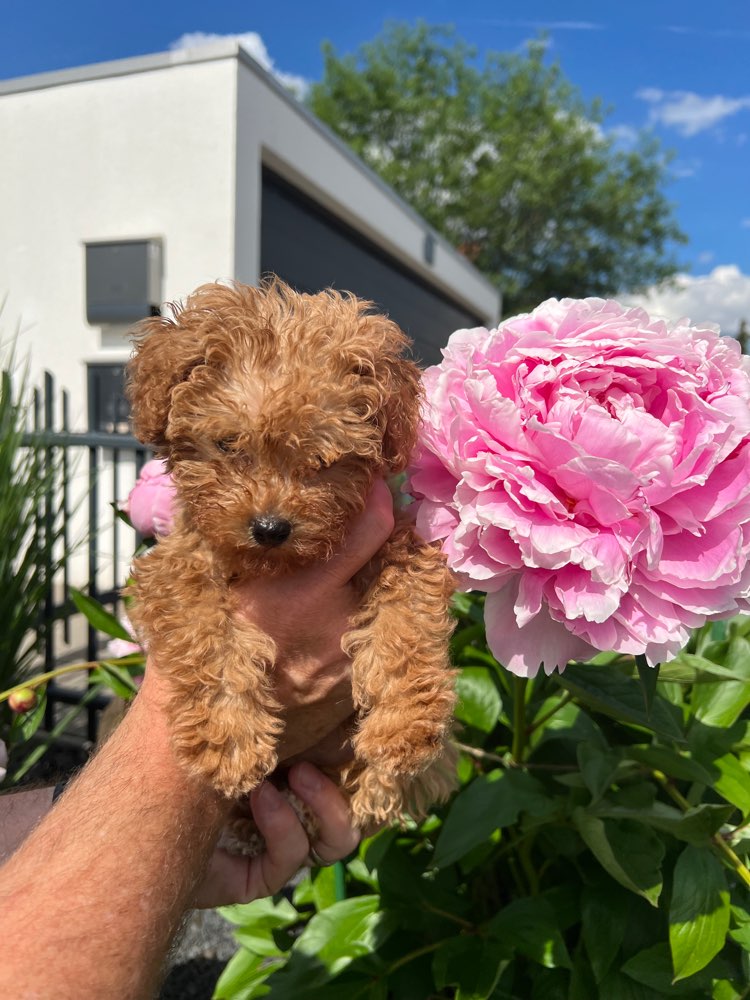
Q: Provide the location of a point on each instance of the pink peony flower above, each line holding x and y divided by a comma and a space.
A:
150, 504
589, 468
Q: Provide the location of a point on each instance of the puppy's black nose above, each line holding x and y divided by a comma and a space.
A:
269, 530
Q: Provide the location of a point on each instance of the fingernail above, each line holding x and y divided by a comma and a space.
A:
308, 778
269, 797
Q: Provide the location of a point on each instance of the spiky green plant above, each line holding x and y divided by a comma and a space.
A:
31, 530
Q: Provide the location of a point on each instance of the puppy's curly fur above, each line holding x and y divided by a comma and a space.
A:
276, 411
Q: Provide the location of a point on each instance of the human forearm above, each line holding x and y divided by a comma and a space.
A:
117, 860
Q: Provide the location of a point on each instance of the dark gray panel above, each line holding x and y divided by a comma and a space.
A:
310, 249
123, 280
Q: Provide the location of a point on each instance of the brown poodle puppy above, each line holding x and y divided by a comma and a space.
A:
276, 411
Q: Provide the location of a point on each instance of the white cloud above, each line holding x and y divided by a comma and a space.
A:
687, 112
722, 297
542, 25
254, 45
745, 223
706, 257
625, 135
685, 168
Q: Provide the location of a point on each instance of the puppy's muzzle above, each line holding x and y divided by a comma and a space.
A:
269, 530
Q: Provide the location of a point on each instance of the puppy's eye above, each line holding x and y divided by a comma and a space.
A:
226, 445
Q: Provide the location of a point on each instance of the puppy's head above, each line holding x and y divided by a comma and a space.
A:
275, 411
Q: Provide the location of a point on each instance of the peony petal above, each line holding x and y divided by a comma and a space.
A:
523, 650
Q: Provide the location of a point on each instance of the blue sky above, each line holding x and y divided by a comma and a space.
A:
679, 68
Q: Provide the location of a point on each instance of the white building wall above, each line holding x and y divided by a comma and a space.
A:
168, 146
147, 154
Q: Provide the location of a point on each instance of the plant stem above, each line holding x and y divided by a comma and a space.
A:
538, 723
466, 924
506, 762
33, 682
720, 845
410, 956
519, 718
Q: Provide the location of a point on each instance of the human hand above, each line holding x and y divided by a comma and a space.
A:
236, 879
306, 612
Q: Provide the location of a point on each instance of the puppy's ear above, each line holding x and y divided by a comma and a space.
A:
401, 413
165, 354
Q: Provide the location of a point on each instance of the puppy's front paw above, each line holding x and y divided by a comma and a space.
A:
379, 798
406, 751
230, 769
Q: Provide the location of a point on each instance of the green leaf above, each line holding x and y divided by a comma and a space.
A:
721, 704
696, 825
359, 871
344, 931
570, 724
243, 977
257, 921
723, 989
672, 763
324, 887
598, 768
733, 783
271, 911
348, 986
490, 802
605, 913
648, 677
653, 968
529, 925
699, 911
479, 702
688, 668
617, 986
630, 853
116, 678
607, 691
471, 964
99, 617
331, 941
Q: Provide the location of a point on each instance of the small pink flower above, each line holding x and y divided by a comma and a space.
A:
150, 505
588, 467
123, 647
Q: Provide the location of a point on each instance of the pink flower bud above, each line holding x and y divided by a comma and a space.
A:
22, 700
150, 505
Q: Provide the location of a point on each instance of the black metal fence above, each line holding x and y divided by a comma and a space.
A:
96, 471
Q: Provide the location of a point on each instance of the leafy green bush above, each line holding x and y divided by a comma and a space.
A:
596, 848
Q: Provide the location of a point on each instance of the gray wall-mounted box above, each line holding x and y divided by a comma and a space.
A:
123, 280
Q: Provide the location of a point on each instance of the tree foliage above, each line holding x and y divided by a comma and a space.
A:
507, 160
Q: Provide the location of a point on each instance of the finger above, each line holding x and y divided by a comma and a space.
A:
225, 882
286, 842
336, 836
367, 533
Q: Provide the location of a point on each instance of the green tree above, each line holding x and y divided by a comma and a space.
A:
507, 160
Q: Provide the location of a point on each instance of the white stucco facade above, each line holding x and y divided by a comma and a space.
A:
170, 147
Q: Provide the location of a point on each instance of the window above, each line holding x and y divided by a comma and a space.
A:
109, 410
